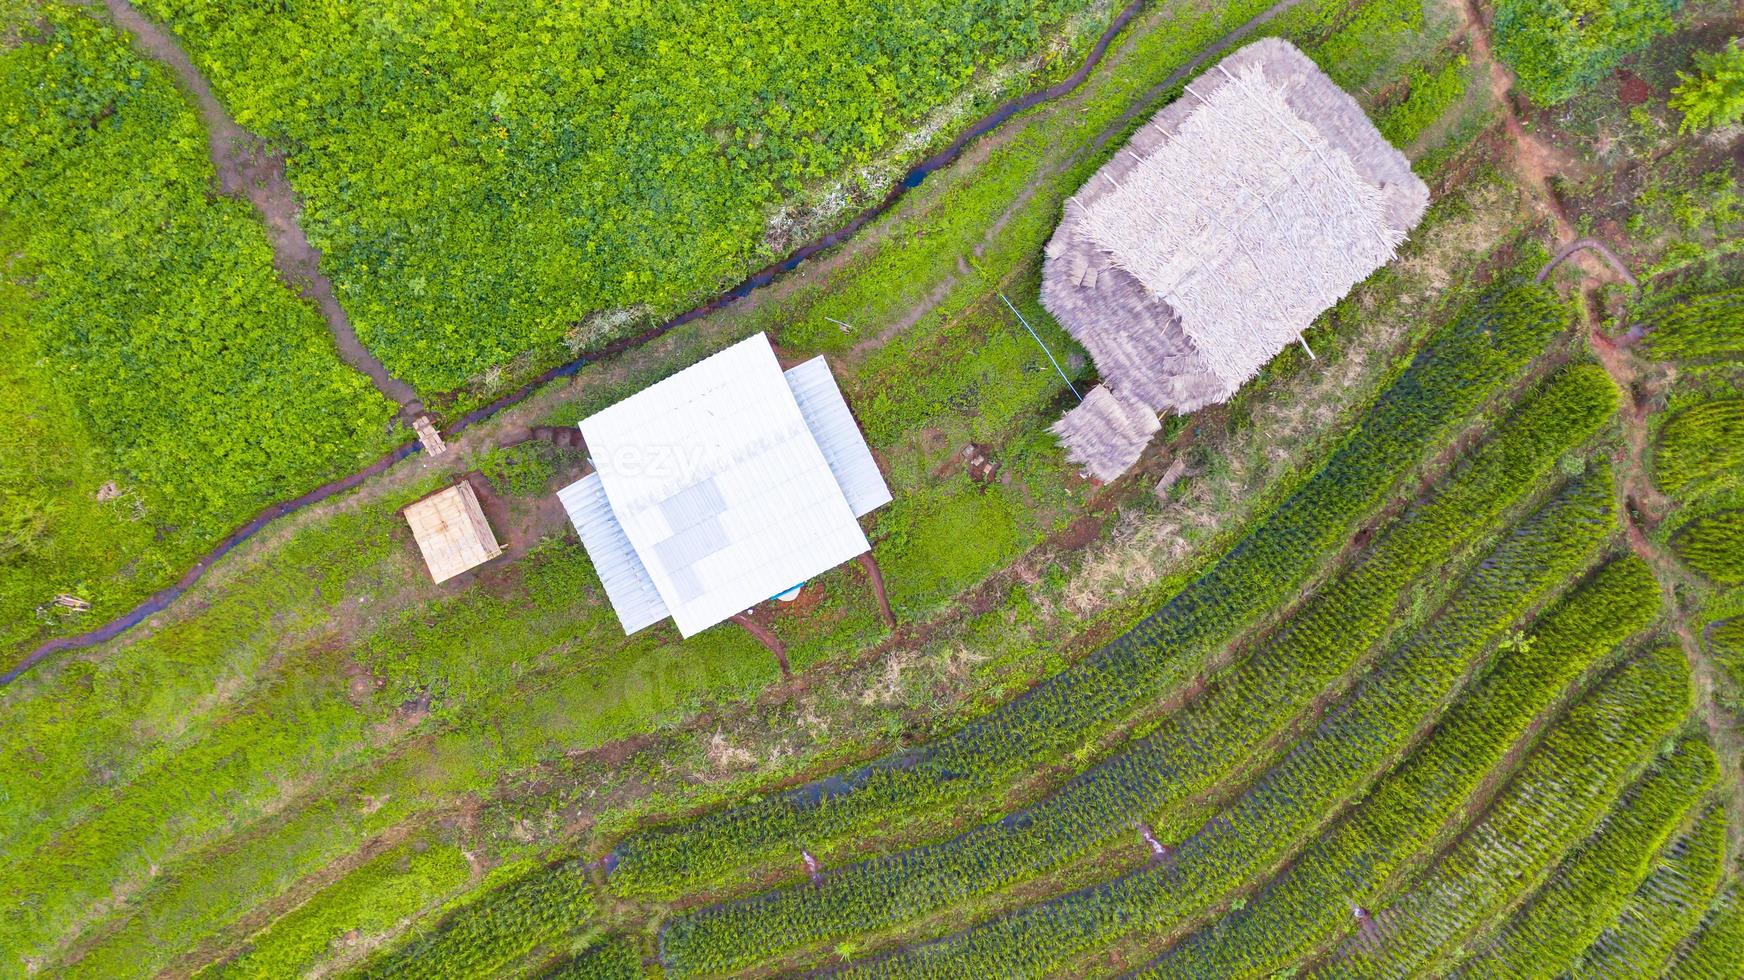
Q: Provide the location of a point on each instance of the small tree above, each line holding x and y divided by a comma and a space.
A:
1714, 96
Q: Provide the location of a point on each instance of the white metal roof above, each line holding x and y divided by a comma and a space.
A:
721, 488
838, 435
628, 587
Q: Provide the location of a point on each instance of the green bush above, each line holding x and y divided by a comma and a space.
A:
1701, 447
1431, 94
1714, 95
371, 899
1714, 546
1487, 343
1559, 47
521, 470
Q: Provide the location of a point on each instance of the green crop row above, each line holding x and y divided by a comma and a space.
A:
1195, 748
1588, 892
1488, 343
1667, 907
499, 926
1705, 325
1726, 647
1352, 743
609, 958
1716, 948
1349, 864
1537, 819
1714, 546
1431, 94
1699, 446
369, 900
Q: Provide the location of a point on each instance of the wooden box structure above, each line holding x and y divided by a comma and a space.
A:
452, 532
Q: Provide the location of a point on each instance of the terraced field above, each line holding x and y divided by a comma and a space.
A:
1423, 656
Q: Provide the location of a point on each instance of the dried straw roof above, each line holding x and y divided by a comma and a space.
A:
1229, 222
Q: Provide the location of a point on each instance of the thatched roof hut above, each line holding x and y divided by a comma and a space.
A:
1229, 222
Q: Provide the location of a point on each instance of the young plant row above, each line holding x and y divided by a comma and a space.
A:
1537, 819
1334, 762
1716, 948
1485, 346
498, 927
1705, 325
1714, 546
369, 900
1667, 907
1347, 867
609, 958
1587, 893
1194, 749
1701, 447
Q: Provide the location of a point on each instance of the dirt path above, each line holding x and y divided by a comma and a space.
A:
248, 170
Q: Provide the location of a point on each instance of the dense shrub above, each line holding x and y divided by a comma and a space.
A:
1196, 747
1336, 761
158, 382
1700, 447
1714, 546
481, 180
1714, 96
1587, 893
521, 470
1467, 359
1559, 47
1310, 902
1703, 325
1431, 94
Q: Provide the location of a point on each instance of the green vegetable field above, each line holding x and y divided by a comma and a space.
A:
1420, 655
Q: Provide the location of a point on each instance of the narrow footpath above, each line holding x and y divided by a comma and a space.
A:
248, 170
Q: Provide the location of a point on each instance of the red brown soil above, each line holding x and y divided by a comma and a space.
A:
1631, 89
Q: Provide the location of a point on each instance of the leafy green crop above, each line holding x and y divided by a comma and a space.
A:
1588, 891
495, 928
1335, 761
611, 958
158, 383
1704, 325
481, 181
1714, 95
1717, 945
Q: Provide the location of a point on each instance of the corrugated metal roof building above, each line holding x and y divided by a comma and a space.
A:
726, 484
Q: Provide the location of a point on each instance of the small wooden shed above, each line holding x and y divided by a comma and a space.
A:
452, 532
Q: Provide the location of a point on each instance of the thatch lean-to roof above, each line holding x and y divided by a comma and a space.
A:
1229, 222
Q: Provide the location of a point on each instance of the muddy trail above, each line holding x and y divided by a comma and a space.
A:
248, 170
245, 168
